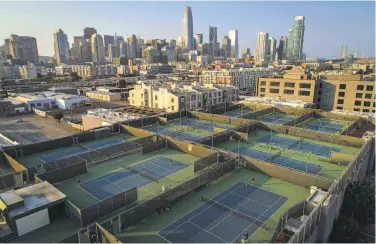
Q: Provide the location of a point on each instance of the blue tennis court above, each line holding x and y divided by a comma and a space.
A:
324, 126
121, 181
280, 160
303, 146
277, 118
173, 133
226, 217
238, 113
53, 157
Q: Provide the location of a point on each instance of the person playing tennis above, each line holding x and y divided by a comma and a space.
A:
253, 181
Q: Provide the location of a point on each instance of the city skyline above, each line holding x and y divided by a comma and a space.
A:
318, 24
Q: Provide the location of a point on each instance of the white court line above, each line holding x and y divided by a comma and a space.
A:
206, 231
197, 213
255, 221
163, 238
251, 199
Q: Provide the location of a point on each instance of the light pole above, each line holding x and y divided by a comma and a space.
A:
271, 135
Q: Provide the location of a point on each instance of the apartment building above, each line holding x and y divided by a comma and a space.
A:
176, 97
347, 92
295, 84
84, 71
243, 78
103, 95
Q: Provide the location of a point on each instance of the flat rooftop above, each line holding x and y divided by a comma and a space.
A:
150, 230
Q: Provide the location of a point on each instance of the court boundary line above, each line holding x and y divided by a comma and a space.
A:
207, 231
250, 199
163, 238
88, 192
256, 220
242, 183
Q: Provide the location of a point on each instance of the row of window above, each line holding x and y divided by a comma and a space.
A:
286, 91
365, 103
367, 95
287, 84
357, 109
359, 87
32, 105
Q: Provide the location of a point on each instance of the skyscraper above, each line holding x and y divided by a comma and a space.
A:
23, 47
213, 41
282, 47
272, 43
61, 46
180, 42
295, 40
108, 40
132, 46
198, 39
78, 48
97, 48
188, 28
355, 52
343, 51
88, 32
233, 34
261, 47
226, 47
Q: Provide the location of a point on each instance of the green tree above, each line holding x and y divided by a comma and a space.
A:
346, 229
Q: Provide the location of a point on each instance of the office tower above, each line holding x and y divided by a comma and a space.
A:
123, 50
282, 47
261, 46
246, 53
226, 47
212, 41
78, 45
272, 48
108, 40
61, 46
198, 39
180, 42
188, 28
172, 43
295, 40
86, 51
233, 34
343, 51
22, 47
132, 46
88, 32
356, 53
140, 43
97, 48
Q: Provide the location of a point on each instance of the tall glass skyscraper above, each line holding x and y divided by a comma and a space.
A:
188, 28
213, 41
233, 34
295, 40
61, 46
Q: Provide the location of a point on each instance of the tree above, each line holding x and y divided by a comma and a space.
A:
59, 116
346, 230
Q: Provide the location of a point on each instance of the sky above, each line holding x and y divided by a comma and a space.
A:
328, 25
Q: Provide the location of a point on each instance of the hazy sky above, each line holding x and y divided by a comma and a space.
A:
328, 24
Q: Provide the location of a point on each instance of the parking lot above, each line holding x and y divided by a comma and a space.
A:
32, 129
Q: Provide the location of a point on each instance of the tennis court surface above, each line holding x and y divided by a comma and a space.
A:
324, 126
172, 133
277, 118
77, 151
238, 113
200, 124
280, 160
227, 217
304, 146
135, 176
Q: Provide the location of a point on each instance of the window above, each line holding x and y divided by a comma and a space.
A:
359, 95
369, 88
320, 85
172, 108
289, 84
132, 94
367, 104
274, 83
368, 96
172, 100
263, 83
274, 90
358, 103
366, 110
360, 87
319, 92
32, 105
156, 97
219, 94
305, 85
142, 95
342, 86
262, 90
340, 101
356, 109
142, 103
373, 111
39, 104
339, 108
53, 102
193, 97
288, 91
304, 93
341, 94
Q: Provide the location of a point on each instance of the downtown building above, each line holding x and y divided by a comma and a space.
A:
242, 78
61, 47
97, 49
188, 40
295, 39
23, 48
233, 35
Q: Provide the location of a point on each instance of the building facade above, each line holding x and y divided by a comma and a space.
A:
233, 34
188, 29
61, 46
226, 47
23, 47
295, 40
97, 49
212, 41
261, 47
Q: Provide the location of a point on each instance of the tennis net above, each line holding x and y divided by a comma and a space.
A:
87, 148
274, 156
235, 212
295, 143
142, 173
